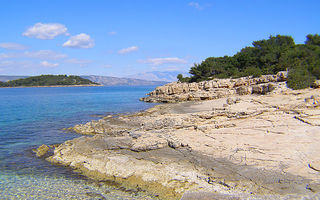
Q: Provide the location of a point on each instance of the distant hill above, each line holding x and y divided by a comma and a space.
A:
47, 80
167, 76
114, 81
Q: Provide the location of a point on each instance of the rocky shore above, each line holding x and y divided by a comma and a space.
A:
214, 89
259, 141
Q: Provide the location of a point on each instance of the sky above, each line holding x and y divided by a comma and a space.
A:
126, 37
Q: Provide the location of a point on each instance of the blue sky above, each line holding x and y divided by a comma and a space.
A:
125, 37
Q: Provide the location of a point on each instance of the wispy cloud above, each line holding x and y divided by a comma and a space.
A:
128, 50
6, 63
161, 61
81, 40
41, 54
44, 54
196, 5
112, 33
4, 56
47, 64
46, 31
14, 64
80, 62
12, 46
106, 66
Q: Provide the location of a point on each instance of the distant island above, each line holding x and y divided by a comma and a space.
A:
48, 80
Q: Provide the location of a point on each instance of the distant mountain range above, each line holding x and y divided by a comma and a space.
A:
114, 81
167, 76
103, 80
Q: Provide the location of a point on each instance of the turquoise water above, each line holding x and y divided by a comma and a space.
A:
30, 117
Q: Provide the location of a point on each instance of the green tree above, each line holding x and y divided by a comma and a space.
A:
247, 57
313, 40
183, 79
268, 56
269, 52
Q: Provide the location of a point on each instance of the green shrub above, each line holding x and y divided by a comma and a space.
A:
252, 71
300, 78
183, 79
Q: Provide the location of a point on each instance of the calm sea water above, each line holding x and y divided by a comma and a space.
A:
30, 117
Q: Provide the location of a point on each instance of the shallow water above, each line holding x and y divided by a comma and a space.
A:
30, 117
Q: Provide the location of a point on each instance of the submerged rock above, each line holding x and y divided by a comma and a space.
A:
42, 150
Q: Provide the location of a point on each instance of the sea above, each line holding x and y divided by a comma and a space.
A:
30, 117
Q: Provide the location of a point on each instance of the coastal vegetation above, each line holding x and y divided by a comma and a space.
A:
267, 56
47, 80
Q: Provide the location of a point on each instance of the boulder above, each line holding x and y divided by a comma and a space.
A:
241, 82
262, 89
243, 90
282, 76
316, 84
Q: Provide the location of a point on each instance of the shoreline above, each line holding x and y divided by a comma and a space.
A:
55, 86
204, 148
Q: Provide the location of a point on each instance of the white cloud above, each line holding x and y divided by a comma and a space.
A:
47, 64
12, 46
80, 41
46, 31
161, 61
112, 33
128, 50
195, 5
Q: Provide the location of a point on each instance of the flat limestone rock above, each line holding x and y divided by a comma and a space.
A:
254, 147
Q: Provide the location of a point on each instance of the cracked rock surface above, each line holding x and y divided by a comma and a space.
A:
248, 146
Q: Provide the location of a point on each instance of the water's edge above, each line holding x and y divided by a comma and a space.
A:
35, 116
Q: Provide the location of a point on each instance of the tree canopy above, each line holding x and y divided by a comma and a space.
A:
267, 56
